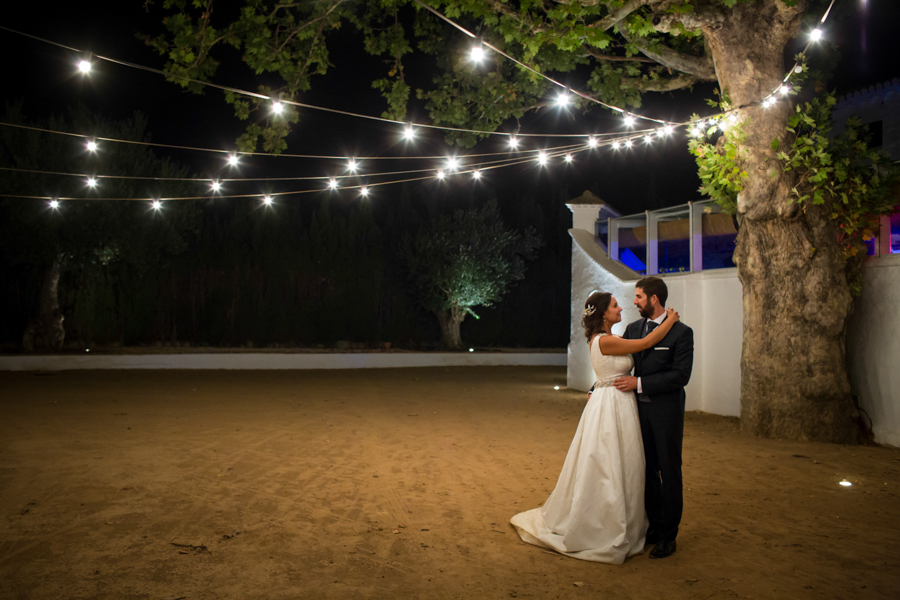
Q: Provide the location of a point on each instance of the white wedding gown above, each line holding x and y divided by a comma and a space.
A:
596, 512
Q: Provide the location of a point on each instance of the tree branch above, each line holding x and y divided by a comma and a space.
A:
706, 13
659, 85
701, 67
611, 19
588, 51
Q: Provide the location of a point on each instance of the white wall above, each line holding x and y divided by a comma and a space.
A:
873, 347
267, 360
708, 301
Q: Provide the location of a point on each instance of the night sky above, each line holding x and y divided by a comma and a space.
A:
44, 78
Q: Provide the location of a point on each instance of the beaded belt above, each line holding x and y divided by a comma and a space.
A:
608, 382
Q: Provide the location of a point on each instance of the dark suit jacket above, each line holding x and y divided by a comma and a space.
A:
666, 368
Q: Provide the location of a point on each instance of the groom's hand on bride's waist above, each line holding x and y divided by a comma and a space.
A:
626, 384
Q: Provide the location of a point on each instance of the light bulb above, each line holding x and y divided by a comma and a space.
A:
232, 159
267, 200
628, 143
562, 100
542, 157
816, 35
54, 204
408, 133
92, 146
352, 166
695, 132
629, 121
440, 174
592, 142
615, 145
477, 53
668, 129
277, 108
332, 183
452, 163
568, 158
364, 191
91, 182
660, 132
513, 142
84, 66
216, 186
648, 138
156, 205
784, 90
476, 174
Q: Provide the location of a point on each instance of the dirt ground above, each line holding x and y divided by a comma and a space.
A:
395, 483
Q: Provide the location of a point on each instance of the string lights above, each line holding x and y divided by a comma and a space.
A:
84, 65
612, 140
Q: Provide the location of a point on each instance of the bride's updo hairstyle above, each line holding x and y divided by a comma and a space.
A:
594, 309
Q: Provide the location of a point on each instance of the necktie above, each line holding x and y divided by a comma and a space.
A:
650, 326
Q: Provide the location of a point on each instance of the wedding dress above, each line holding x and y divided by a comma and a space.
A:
596, 512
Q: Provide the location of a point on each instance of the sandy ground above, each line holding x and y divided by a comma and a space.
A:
395, 484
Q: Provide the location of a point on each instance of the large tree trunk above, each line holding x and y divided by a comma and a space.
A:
450, 322
796, 295
45, 332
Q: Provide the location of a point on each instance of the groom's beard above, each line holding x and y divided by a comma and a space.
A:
646, 310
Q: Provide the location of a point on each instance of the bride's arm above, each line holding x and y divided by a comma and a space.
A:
616, 346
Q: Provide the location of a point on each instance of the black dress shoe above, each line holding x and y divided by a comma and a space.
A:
663, 549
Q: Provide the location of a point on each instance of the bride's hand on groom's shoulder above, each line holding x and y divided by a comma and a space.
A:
671, 313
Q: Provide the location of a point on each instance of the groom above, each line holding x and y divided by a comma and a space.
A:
660, 375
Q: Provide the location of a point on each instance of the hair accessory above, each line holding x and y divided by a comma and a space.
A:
589, 310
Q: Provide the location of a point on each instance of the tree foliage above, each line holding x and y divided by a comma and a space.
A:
298, 274
86, 239
614, 42
89, 234
843, 174
466, 259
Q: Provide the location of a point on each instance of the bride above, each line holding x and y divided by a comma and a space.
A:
596, 512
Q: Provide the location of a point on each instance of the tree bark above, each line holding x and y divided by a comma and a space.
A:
45, 331
796, 296
450, 321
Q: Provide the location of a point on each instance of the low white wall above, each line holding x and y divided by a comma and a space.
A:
873, 347
708, 301
362, 360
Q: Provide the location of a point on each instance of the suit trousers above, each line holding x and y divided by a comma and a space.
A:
662, 426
